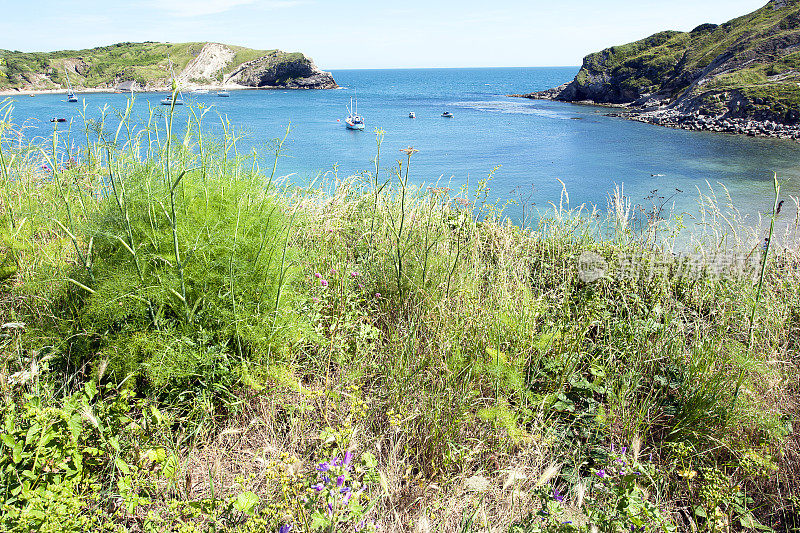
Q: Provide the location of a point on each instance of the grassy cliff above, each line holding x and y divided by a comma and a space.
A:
748, 67
104, 67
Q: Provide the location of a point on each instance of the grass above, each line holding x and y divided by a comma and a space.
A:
190, 343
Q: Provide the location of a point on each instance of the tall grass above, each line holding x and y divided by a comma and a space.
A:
407, 320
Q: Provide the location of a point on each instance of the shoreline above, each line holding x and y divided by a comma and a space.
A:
165, 89
670, 118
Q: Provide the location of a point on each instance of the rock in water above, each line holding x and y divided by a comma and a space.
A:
282, 70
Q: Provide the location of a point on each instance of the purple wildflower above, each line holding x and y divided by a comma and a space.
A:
345, 490
323, 467
340, 481
348, 456
346, 498
286, 528
323, 282
557, 496
601, 472
355, 274
330, 509
318, 487
624, 449
360, 286
612, 446
317, 275
377, 295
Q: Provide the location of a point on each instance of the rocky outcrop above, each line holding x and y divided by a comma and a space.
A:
721, 78
281, 70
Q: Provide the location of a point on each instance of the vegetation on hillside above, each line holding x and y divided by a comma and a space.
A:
190, 343
146, 63
750, 62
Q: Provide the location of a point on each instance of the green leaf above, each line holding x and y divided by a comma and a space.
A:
246, 503
318, 521
17, 453
122, 466
8, 440
170, 468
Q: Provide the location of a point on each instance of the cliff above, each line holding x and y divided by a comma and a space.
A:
147, 64
714, 77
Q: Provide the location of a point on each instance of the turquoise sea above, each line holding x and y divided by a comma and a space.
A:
534, 143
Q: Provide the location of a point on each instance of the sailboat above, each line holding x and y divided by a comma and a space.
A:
169, 100
354, 121
70, 94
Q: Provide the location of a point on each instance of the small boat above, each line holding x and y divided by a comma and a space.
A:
70, 93
354, 121
168, 100
58, 119
172, 99
224, 94
412, 115
447, 114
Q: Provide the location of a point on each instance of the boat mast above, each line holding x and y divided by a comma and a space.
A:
69, 85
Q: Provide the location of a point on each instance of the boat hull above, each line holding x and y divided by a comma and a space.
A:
352, 126
167, 101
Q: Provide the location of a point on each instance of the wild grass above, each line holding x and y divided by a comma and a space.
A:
232, 329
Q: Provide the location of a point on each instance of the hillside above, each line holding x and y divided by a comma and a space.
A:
714, 77
196, 64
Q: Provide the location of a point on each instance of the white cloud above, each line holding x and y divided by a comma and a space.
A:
198, 8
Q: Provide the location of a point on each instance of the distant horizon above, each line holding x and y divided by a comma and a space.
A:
358, 35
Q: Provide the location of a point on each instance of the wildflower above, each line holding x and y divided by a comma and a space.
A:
334, 272
317, 275
286, 528
346, 498
624, 449
361, 524
315, 300
330, 509
323, 282
360, 286
557, 496
355, 274
323, 467
348, 456
318, 487
377, 295
340, 481
601, 473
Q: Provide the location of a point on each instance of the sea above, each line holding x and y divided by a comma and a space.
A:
532, 152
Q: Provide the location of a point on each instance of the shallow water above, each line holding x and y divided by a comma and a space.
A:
534, 143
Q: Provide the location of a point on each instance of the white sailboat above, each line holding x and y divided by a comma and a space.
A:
70, 93
169, 100
354, 121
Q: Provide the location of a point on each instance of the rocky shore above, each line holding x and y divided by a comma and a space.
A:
721, 124
740, 77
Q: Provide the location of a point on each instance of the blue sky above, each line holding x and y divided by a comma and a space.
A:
366, 34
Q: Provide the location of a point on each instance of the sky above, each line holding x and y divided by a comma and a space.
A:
341, 34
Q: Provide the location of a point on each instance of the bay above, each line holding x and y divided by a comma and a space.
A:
535, 146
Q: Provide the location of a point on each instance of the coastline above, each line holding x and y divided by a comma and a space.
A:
164, 89
671, 118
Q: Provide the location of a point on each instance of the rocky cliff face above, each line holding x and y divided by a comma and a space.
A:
746, 69
281, 70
